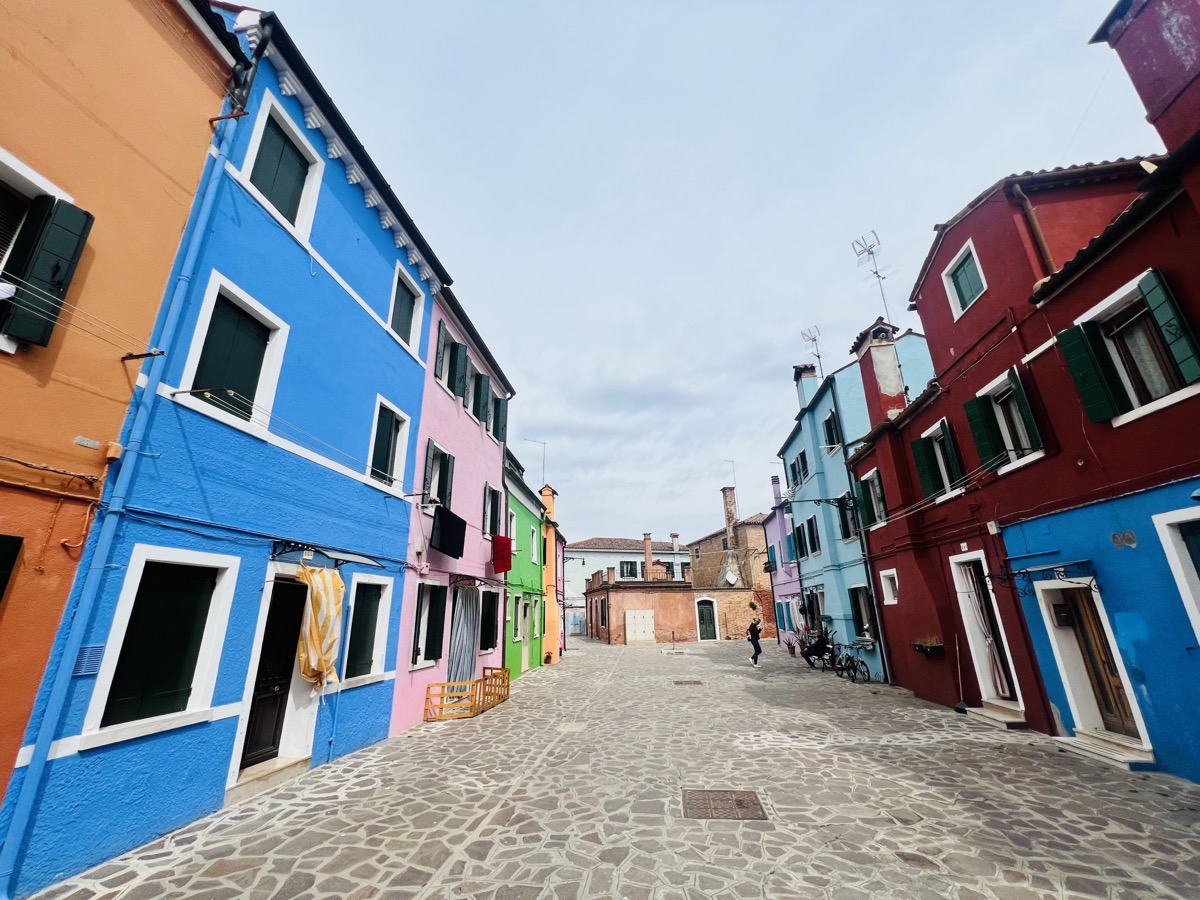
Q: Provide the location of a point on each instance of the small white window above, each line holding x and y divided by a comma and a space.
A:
407, 308
516, 616
512, 529
389, 441
889, 587
370, 606
282, 169
963, 279
533, 556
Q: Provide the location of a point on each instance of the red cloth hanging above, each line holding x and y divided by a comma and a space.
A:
501, 553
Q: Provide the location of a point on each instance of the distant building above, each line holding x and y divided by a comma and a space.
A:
656, 607
626, 556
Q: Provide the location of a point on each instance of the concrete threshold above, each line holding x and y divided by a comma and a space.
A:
264, 776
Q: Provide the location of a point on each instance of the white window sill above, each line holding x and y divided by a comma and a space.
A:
127, 731
360, 680
949, 495
1023, 461
254, 426
1154, 406
878, 525
487, 652
850, 540
424, 664
7, 344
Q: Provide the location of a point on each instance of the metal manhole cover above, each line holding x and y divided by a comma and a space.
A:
689, 682
722, 805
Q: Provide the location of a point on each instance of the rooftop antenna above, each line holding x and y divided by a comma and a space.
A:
866, 248
543, 443
813, 336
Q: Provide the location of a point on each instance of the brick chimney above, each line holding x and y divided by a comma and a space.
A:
1158, 42
775, 489
729, 498
883, 382
648, 549
805, 372
675, 541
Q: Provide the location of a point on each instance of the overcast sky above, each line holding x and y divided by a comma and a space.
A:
643, 204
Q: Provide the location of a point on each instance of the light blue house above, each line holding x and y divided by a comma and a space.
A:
270, 445
832, 421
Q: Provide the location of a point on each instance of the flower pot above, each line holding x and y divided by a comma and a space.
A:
791, 649
930, 649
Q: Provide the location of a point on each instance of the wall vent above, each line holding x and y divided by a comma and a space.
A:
88, 660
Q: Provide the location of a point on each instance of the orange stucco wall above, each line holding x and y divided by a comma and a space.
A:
109, 100
552, 638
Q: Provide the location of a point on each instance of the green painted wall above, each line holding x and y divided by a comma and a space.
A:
525, 583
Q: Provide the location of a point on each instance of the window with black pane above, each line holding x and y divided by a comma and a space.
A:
280, 170
231, 360
404, 310
364, 624
389, 429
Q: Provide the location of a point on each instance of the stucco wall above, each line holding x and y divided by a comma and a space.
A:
674, 610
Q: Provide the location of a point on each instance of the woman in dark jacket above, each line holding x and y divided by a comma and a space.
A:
752, 635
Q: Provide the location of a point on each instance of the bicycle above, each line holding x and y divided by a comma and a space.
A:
843, 661
857, 666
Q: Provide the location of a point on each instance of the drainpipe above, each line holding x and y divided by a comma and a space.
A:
193, 237
1035, 227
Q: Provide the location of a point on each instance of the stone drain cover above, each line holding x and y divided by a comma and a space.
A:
689, 682
722, 805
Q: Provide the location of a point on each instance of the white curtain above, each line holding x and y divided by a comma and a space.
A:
979, 596
464, 635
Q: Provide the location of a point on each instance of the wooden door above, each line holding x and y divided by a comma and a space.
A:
525, 636
276, 662
1101, 666
708, 621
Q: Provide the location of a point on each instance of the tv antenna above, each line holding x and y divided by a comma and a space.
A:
866, 248
813, 336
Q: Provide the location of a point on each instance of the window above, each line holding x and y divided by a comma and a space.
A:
441, 362
512, 529
604, 612
963, 279
725, 543
794, 473
801, 540
685, 570
1137, 348
814, 536
1002, 422
833, 431
42, 237
535, 618
860, 609
10, 546
439, 475
407, 306
533, 542
491, 510
889, 587
366, 649
871, 504
387, 445
429, 624
282, 168
516, 617
481, 398
470, 395
489, 621
628, 569
498, 425
847, 517
792, 549
802, 459
670, 570
771, 564
938, 467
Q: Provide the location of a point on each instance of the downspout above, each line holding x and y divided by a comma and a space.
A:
1035, 227
192, 239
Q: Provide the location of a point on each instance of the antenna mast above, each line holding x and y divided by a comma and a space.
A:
813, 336
866, 248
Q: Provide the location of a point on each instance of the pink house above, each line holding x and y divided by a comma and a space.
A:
451, 622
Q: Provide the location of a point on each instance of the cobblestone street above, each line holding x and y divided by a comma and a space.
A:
574, 789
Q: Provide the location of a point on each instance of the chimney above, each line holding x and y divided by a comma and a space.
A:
648, 547
775, 489
1158, 43
800, 374
612, 575
879, 366
675, 541
729, 497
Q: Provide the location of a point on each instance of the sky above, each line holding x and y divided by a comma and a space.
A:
644, 205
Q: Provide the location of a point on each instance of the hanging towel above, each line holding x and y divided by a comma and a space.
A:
501, 554
321, 628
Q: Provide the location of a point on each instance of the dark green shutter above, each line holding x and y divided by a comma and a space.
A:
430, 451
483, 397
882, 511
458, 369
280, 170
501, 423
494, 524
925, 456
440, 358
447, 478
1031, 429
436, 627
360, 652
866, 507
416, 638
404, 309
231, 359
384, 452
1175, 330
42, 264
985, 430
1091, 366
490, 620
953, 461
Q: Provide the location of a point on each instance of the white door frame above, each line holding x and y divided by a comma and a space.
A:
976, 643
716, 620
526, 637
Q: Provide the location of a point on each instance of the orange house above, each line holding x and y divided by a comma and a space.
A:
102, 142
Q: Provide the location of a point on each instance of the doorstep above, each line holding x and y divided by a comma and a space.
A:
264, 776
1109, 747
999, 713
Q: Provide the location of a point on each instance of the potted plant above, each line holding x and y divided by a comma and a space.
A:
791, 641
931, 645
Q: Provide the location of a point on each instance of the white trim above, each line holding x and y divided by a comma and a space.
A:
360, 681
1183, 569
67, 746
8, 345
271, 107
421, 626
142, 727
1154, 405
888, 577
411, 345
1118, 298
1038, 351
204, 677
1021, 461
488, 490
400, 459
268, 376
948, 283
716, 619
209, 35
949, 495
1081, 697
379, 651
25, 181
975, 639
997, 383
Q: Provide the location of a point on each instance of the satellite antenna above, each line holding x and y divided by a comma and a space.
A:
866, 248
813, 336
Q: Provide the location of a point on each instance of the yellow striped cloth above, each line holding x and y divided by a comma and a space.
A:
321, 628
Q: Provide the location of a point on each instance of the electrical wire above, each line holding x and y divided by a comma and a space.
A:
61, 304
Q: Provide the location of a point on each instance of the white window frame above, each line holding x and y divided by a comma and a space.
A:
873, 480
379, 667
271, 107
204, 679
268, 375
832, 417
889, 587
1183, 570
421, 624
472, 385
997, 386
491, 496
434, 478
936, 434
516, 618
512, 528
948, 283
812, 529
533, 542
398, 463
621, 563
412, 340
480, 651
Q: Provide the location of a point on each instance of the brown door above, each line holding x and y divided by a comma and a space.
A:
1101, 667
276, 661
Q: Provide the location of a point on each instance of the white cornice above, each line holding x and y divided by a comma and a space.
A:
249, 23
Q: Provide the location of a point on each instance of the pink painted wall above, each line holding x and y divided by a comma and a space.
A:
478, 461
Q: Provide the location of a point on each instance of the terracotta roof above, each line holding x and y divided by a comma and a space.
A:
607, 543
756, 519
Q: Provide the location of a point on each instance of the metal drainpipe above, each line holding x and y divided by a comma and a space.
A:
79, 618
1036, 227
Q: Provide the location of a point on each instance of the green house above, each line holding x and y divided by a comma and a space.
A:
525, 607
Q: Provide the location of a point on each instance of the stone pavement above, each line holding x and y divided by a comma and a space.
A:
573, 789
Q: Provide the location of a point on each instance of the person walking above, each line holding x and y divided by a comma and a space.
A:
752, 635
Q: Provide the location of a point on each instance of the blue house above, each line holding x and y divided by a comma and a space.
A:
834, 582
262, 499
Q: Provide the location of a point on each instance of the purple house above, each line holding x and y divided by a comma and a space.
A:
781, 563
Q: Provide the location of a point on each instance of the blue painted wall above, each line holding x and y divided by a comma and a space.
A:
1154, 635
205, 486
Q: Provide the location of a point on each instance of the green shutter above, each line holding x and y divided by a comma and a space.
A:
882, 511
866, 508
384, 452
436, 628
496, 503
771, 557
1091, 366
1031, 429
501, 423
458, 369
232, 358
430, 450
416, 638
403, 309
280, 170
488, 619
483, 397
42, 264
447, 478
985, 430
925, 456
360, 653
440, 358
1175, 330
953, 461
